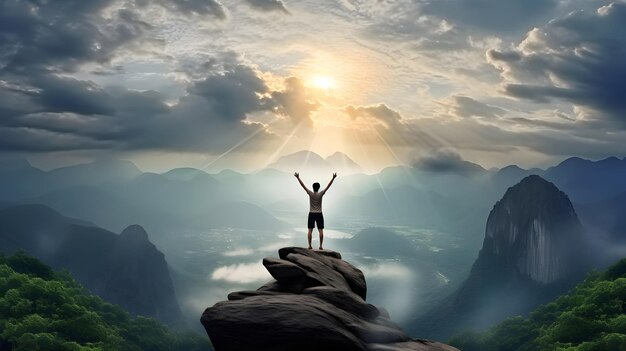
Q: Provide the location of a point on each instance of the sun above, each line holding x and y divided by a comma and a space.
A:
323, 82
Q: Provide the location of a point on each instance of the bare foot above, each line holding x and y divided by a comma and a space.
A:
310, 248
321, 248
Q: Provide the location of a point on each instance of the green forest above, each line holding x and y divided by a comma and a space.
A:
589, 318
41, 309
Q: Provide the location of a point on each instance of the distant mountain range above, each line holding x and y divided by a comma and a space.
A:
114, 193
304, 161
534, 249
125, 269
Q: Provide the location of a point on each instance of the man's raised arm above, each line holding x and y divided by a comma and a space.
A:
331, 182
297, 175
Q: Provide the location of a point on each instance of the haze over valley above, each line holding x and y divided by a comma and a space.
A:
414, 231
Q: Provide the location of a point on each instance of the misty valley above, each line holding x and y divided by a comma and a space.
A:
443, 251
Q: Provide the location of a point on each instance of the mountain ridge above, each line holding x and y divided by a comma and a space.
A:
125, 269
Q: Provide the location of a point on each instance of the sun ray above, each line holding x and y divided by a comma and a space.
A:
380, 184
282, 146
239, 144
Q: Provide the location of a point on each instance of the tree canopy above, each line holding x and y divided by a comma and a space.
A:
588, 318
45, 310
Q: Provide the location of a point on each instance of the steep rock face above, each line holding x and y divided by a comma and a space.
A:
534, 230
139, 279
533, 251
317, 302
125, 269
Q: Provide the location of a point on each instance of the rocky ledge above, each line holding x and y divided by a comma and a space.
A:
316, 302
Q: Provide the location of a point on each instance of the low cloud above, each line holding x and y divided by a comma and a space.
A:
446, 161
391, 271
242, 273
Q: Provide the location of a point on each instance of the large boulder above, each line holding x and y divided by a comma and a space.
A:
316, 302
352, 275
283, 270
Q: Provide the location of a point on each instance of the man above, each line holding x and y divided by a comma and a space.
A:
315, 208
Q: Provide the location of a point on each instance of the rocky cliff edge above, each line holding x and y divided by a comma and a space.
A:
316, 302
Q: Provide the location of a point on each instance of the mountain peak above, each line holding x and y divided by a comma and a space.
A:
537, 194
136, 233
311, 162
341, 161
534, 230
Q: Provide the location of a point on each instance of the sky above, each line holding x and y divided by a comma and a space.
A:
236, 84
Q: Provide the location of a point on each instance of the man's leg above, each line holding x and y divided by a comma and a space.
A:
320, 228
310, 223
321, 238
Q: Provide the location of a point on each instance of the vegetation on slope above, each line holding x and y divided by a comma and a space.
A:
44, 310
589, 318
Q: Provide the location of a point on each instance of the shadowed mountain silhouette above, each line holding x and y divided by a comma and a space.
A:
125, 269
534, 249
316, 302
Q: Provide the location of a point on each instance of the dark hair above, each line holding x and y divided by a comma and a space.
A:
316, 187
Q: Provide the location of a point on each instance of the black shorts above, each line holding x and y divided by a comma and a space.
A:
315, 217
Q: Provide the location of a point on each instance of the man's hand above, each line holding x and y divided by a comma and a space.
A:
334, 175
296, 174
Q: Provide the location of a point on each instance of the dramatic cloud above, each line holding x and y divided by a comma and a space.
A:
392, 128
447, 161
492, 15
428, 33
294, 101
268, 5
200, 7
380, 113
578, 58
232, 94
464, 106
44, 108
38, 36
206, 77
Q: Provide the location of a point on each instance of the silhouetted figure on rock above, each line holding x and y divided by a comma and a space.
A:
315, 208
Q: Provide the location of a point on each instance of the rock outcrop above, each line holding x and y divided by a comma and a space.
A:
534, 250
534, 231
316, 302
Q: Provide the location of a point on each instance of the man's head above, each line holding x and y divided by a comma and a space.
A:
316, 186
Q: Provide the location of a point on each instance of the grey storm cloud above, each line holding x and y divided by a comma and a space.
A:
199, 7
268, 5
40, 36
444, 160
232, 94
70, 114
43, 108
579, 58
